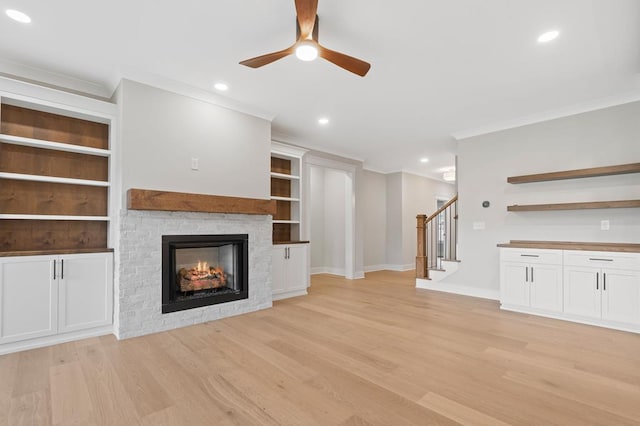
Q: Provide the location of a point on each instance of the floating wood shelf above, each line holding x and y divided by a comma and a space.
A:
575, 206
577, 174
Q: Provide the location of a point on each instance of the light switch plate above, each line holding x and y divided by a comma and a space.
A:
195, 164
477, 226
604, 225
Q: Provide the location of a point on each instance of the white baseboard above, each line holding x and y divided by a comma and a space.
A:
288, 294
40, 342
375, 268
327, 270
572, 318
400, 268
483, 293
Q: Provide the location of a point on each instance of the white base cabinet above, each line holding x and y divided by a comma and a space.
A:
531, 278
52, 295
594, 287
290, 270
599, 288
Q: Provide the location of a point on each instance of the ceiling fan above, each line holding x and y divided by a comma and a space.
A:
307, 47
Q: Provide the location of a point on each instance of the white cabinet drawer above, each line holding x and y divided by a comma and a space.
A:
548, 257
602, 259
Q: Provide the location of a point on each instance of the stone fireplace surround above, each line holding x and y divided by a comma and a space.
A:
139, 264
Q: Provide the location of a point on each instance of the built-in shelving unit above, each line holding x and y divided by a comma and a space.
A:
286, 191
54, 180
576, 174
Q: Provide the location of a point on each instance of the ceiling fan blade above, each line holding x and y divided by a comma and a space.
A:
349, 63
260, 61
306, 11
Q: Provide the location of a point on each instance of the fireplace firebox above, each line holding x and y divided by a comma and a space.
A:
201, 270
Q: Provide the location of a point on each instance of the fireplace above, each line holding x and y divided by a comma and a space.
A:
201, 270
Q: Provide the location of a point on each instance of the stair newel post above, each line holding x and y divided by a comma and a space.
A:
421, 258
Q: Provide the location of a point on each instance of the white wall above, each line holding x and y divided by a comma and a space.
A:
394, 219
419, 197
600, 138
327, 214
162, 131
316, 201
374, 203
409, 195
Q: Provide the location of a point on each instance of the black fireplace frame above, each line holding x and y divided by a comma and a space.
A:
172, 242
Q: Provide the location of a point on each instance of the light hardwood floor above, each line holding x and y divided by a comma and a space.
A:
374, 351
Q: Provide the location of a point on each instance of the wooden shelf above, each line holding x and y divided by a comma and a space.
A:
57, 146
53, 217
577, 174
52, 179
283, 176
575, 206
284, 198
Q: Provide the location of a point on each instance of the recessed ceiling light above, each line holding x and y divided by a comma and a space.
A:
16, 15
449, 176
223, 87
323, 121
424, 160
548, 36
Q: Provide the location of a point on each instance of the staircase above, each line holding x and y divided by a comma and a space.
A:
437, 254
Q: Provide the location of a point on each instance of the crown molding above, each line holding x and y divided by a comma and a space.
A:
193, 92
53, 80
580, 108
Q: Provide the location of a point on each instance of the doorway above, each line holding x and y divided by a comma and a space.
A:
330, 217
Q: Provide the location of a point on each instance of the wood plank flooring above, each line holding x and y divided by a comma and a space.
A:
369, 352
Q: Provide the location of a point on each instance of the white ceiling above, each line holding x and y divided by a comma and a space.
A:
437, 67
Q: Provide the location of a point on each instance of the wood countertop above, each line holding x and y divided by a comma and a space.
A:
572, 245
50, 252
281, 243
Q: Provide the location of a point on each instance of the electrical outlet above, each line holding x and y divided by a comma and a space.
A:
195, 164
604, 225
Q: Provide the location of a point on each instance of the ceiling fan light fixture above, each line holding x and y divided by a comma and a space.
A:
307, 50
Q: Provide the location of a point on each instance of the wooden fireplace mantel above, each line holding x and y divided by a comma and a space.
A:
145, 199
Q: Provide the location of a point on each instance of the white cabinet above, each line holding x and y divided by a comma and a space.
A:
28, 298
531, 278
85, 292
594, 287
47, 295
290, 270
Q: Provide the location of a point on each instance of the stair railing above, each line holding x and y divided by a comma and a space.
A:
437, 238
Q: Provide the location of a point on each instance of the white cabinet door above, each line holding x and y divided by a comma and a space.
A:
297, 267
621, 296
514, 288
546, 287
86, 291
278, 270
582, 291
28, 298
